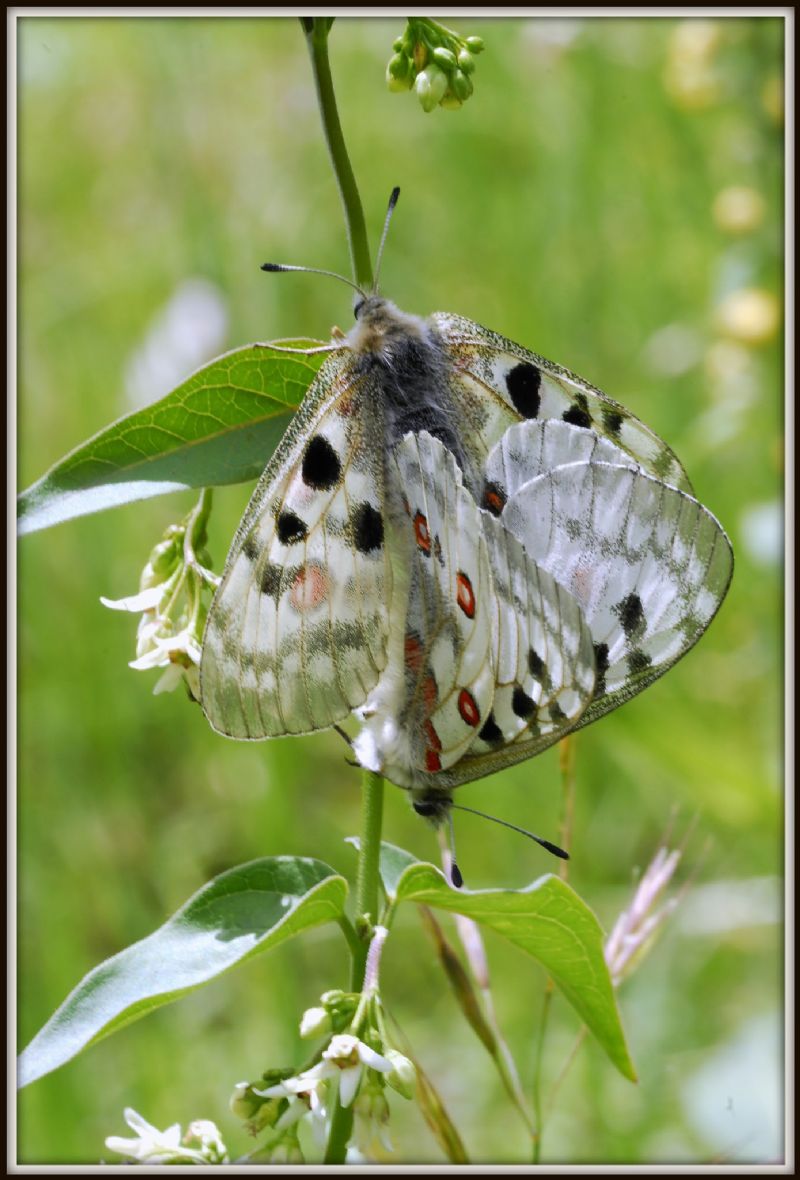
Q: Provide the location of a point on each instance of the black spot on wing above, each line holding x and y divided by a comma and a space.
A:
612, 420
270, 580
521, 703
638, 661
250, 548
578, 413
322, 467
291, 528
367, 528
523, 383
631, 615
491, 731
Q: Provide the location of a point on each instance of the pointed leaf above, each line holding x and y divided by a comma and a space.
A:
236, 915
549, 921
220, 426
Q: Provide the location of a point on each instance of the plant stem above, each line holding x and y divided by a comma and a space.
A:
316, 30
368, 859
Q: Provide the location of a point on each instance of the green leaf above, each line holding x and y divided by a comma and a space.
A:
220, 426
549, 921
236, 915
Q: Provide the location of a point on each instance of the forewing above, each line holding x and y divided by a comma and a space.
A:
648, 565
495, 383
296, 634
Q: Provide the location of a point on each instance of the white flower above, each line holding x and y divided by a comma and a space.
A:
307, 1098
152, 1146
347, 1057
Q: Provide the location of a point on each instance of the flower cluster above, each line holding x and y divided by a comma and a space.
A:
435, 62
202, 1143
171, 599
354, 1068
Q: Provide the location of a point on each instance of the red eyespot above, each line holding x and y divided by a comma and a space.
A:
465, 595
422, 533
467, 708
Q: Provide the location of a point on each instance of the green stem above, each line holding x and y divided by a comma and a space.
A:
368, 860
316, 30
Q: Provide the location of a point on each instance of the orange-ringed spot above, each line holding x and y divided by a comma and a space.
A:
467, 708
422, 533
465, 595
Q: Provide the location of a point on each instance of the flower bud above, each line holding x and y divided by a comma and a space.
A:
444, 58
466, 61
315, 1023
450, 102
403, 1075
430, 86
474, 44
461, 86
398, 44
420, 55
398, 66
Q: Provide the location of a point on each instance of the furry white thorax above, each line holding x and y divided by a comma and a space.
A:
381, 327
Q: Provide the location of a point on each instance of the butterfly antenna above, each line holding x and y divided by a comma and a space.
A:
389, 212
281, 267
556, 851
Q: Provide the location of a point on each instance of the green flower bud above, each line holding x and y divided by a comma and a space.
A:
461, 86
399, 66
398, 44
162, 561
474, 44
430, 85
398, 85
444, 58
450, 102
466, 61
403, 1076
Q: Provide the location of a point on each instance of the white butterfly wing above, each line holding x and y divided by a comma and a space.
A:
496, 383
543, 661
648, 565
296, 634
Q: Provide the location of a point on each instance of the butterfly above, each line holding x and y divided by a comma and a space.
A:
465, 545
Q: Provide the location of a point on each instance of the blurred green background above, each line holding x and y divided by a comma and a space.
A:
611, 196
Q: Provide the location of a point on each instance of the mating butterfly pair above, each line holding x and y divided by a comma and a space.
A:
465, 545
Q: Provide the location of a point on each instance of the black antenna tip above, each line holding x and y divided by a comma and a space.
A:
393, 198
274, 266
556, 851
455, 876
